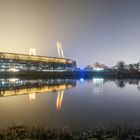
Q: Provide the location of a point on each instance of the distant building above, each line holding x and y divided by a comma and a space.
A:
96, 67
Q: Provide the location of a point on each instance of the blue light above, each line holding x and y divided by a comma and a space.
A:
81, 80
81, 68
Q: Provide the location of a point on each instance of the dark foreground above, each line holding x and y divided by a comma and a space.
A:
29, 132
73, 74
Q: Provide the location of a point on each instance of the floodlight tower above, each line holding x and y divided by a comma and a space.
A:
32, 51
60, 50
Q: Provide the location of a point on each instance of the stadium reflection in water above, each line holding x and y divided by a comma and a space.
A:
15, 86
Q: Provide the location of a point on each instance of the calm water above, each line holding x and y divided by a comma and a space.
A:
78, 104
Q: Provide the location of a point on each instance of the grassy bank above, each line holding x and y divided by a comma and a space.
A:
29, 132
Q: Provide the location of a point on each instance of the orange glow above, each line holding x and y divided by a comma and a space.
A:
33, 90
26, 57
32, 96
59, 99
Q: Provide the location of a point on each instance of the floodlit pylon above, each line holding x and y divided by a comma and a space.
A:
32, 51
62, 53
60, 50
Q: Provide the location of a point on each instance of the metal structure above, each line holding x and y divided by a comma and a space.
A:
32, 51
22, 62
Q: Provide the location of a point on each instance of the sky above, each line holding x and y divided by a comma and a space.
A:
104, 31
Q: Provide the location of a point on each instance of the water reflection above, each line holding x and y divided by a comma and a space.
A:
138, 88
102, 100
10, 87
97, 89
59, 99
15, 86
98, 85
32, 96
121, 83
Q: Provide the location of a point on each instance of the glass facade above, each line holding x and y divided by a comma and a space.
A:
19, 62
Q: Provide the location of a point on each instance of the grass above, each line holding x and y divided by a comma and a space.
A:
29, 132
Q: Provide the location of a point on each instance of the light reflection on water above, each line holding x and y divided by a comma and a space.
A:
98, 85
59, 99
32, 96
15, 86
79, 104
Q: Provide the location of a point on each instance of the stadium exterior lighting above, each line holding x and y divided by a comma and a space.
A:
98, 69
13, 69
82, 80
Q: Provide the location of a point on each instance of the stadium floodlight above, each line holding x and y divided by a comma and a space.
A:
32, 51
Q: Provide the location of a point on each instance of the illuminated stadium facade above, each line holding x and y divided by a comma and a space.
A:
21, 62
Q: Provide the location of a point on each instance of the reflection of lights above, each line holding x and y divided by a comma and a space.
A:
36, 90
59, 99
13, 80
13, 69
32, 96
98, 83
81, 79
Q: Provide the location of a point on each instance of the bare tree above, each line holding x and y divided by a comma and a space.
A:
130, 67
133, 67
137, 66
121, 65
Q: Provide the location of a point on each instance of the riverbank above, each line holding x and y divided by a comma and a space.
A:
29, 132
73, 74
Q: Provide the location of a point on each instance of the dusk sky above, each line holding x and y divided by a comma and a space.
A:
90, 31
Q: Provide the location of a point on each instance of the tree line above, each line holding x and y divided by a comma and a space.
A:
122, 66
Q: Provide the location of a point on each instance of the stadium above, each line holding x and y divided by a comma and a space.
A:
13, 62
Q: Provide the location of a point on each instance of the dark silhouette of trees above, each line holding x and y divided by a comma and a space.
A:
138, 88
133, 67
130, 67
137, 65
121, 83
121, 65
